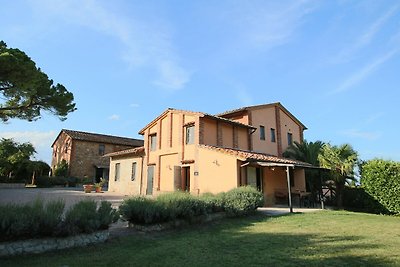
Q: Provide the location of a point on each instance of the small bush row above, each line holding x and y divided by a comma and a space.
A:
167, 207
39, 219
357, 199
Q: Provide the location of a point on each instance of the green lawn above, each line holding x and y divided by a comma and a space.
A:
327, 238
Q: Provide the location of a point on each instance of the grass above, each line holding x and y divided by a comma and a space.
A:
326, 238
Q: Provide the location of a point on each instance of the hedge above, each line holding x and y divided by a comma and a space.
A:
40, 219
381, 179
356, 199
180, 205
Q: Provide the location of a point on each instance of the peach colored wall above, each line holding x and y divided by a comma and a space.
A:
217, 171
266, 117
288, 126
125, 185
167, 164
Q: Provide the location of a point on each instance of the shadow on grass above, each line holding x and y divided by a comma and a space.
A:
230, 242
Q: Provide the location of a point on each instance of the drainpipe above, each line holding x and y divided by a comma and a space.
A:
289, 189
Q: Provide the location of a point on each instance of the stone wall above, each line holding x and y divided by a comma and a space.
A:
35, 246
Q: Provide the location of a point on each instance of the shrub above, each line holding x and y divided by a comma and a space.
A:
82, 217
179, 205
30, 220
39, 219
214, 203
381, 179
356, 199
46, 181
242, 200
61, 169
141, 210
106, 215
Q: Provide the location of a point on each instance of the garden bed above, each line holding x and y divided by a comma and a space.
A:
35, 246
177, 223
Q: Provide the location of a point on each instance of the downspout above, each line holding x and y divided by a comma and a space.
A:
141, 178
289, 189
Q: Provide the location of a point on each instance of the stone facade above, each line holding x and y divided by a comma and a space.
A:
84, 152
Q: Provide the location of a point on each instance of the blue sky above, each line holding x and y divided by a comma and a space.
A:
334, 64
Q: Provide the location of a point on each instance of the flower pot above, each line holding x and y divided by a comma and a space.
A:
98, 189
88, 188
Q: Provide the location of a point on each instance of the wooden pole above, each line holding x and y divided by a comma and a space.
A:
289, 189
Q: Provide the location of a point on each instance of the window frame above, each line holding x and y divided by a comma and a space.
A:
153, 142
290, 139
102, 149
273, 135
189, 134
117, 172
133, 171
262, 132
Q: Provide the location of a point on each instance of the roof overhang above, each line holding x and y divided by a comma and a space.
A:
291, 165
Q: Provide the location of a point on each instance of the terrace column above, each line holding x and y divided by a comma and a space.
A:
289, 189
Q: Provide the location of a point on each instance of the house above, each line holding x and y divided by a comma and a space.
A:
84, 152
199, 153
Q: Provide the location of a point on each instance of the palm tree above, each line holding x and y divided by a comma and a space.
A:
307, 152
341, 160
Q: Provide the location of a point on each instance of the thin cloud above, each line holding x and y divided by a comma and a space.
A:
366, 38
172, 77
37, 138
114, 117
147, 43
134, 105
354, 133
272, 24
364, 72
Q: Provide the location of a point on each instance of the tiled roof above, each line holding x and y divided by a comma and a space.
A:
102, 138
277, 104
131, 151
246, 108
255, 156
201, 114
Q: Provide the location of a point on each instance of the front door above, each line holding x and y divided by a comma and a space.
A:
150, 178
186, 179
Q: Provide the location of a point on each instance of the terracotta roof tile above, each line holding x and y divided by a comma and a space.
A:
132, 151
254, 156
102, 138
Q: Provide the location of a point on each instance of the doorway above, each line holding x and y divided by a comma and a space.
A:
186, 179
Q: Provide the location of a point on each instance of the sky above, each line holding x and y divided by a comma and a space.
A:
335, 65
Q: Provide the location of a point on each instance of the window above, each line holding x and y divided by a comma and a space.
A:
153, 142
117, 171
190, 134
133, 176
290, 139
273, 138
102, 149
66, 147
262, 132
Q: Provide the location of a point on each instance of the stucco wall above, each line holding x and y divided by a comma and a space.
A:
266, 117
288, 126
125, 185
218, 172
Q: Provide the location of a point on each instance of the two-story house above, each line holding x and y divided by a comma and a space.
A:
84, 152
199, 153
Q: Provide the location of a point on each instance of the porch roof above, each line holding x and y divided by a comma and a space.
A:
138, 151
261, 159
